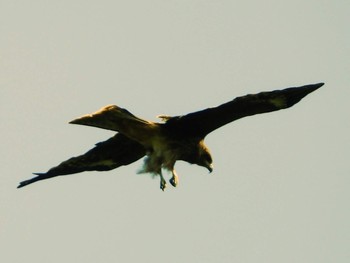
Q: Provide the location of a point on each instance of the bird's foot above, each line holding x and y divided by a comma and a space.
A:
162, 184
174, 180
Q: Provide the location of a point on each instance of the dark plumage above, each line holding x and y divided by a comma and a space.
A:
178, 138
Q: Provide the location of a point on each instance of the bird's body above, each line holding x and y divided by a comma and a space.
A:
176, 138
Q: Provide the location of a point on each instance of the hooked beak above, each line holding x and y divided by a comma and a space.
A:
210, 167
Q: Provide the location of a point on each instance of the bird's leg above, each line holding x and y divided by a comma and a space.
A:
162, 181
174, 180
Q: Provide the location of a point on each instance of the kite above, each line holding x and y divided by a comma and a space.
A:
164, 143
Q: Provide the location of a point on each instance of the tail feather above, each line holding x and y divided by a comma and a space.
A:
114, 118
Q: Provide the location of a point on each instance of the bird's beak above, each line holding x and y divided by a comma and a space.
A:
210, 167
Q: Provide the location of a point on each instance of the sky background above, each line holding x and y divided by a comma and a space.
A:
280, 187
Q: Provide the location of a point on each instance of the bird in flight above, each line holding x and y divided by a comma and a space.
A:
175, 138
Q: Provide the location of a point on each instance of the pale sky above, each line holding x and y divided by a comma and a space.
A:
280, 187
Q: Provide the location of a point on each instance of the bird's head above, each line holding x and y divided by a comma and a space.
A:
206, 161
204, 157
198, 153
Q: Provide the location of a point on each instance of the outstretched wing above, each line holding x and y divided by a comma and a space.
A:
201, 123
116, 151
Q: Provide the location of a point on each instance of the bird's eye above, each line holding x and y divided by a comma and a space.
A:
208, 158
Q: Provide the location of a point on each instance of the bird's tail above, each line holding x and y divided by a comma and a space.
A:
118, 119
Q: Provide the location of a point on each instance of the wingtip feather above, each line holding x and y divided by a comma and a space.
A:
30, 181
317, 85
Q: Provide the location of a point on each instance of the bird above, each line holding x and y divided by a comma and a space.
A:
173, 138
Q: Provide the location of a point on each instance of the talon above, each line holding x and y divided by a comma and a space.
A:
174, 181
162, 185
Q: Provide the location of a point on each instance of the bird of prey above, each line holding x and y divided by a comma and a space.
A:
175, 138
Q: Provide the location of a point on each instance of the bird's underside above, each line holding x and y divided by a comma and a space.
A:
176, 138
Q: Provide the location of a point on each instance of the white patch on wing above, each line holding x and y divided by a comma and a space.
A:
105, 163
279, 102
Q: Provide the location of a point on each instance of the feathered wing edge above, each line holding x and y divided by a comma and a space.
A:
201, 123
110, 154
